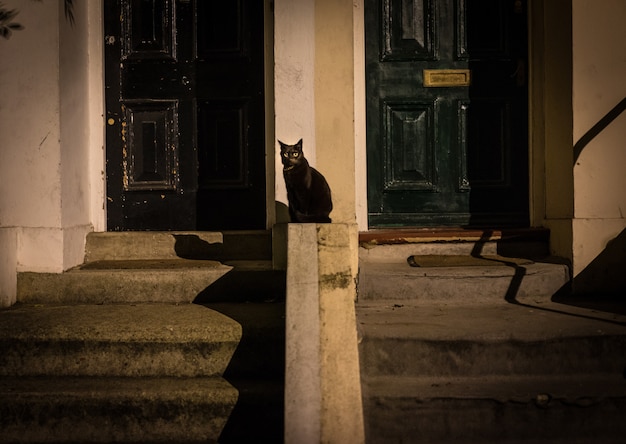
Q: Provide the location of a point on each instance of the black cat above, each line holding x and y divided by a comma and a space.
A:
307, 190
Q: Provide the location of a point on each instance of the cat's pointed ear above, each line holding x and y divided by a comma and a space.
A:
299, 145
282, 145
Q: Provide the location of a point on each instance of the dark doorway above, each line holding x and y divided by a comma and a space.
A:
185, 114
447, 112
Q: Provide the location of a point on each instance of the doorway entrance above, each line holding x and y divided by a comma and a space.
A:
447, 113
185, 135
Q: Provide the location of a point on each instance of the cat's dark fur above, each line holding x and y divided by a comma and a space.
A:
307, 190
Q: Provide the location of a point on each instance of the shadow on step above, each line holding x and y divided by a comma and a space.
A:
257, 371
245, 285
606, 266
254, 297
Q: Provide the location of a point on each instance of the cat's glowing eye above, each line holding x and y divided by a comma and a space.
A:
296, 154
286, 154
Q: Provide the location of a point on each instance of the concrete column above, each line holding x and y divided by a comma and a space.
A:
322, 383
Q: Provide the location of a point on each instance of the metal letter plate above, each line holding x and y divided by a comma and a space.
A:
446, 77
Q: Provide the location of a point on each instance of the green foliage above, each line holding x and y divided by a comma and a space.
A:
7, 25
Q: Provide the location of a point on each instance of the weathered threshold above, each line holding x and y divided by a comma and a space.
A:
451, 234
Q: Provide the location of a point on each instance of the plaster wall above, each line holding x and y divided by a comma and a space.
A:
45, 138
551, 131
360, 131
314, 94
334, 103
95, 117
294, 99
30, 156
599, 70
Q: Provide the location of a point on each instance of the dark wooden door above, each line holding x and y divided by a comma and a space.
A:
497, 130
443, 110
185, 114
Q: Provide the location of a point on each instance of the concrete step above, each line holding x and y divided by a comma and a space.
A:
122, 281
539, 371
504, 409
113, 351
152, 340
503, 339
395, 245
231, 245
113, 409
507, 279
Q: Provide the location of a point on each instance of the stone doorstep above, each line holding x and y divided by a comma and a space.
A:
459, 285
506, 339
497, 373
505, 409
398, 244
116, 340
175, 281
474, 357
451, 234
55, 409
227, 245
581, 390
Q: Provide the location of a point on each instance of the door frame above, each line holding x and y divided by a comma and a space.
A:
536, 92
97, 107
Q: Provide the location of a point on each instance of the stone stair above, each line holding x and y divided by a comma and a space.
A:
157, 337
484, 353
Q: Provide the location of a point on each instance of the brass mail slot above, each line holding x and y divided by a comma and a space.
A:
446, 77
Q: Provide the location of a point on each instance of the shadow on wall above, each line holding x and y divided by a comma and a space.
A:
606, 274
604, 278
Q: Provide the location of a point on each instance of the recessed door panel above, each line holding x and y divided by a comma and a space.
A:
446, 112
185, 114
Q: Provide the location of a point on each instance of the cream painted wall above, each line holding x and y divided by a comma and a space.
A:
551, 134
334, 103
294, 64
46, 126
30, 157
599, 73
314, 93
360, 132
30, 154
95, 111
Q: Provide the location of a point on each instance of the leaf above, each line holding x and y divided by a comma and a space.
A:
69, 11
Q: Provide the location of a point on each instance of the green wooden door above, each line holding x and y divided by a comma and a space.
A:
185, 115
446, 125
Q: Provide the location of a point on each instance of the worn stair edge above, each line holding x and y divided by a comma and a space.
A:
459, 285
495, 357
548, 408
250, 245
398, 244
116, 340
399, 252
445, 234
478, 340
142, 410
139, 285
